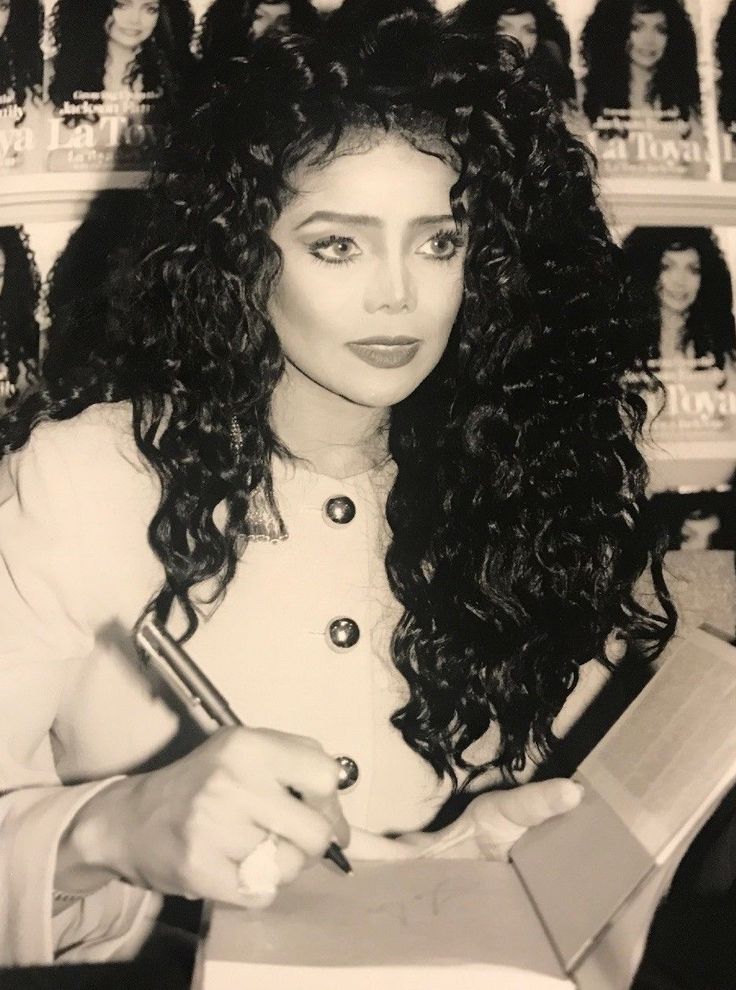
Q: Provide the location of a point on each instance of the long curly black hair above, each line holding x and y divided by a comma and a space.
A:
710, 324
21, 61
604, 52
516, 510
227, 25
550, 58
725, 51
82, 282
80, 37
19, 331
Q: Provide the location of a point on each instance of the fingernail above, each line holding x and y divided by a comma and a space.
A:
570, 795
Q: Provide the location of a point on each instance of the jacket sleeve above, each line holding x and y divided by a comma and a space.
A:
44, 631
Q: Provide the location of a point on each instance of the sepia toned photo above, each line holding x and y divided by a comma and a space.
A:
367, 514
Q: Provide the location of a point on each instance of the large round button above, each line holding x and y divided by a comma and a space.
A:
339, 509
343, 633
349, 772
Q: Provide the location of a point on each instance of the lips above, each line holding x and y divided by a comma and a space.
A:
382, 341
385, 352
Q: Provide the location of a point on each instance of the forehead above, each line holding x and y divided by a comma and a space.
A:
684, 255
387, 178
649, 17
517, 17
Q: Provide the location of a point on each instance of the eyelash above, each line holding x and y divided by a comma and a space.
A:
456, 239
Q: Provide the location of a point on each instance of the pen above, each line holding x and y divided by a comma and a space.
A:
194, 688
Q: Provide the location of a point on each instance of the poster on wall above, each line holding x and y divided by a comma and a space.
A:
20, 288
639, 85
112, 80
21, 78
685, 276
78, 286
721, 27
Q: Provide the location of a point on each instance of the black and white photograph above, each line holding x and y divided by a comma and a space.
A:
367, 509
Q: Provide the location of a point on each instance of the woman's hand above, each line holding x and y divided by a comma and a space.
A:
493, 822
185, 829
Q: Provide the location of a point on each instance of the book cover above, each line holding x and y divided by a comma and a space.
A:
639, 84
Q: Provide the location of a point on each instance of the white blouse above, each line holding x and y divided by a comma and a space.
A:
76, 709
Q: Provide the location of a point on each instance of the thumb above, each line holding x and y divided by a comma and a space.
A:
502, 817
532, 804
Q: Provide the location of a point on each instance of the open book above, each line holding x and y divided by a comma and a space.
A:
433, 924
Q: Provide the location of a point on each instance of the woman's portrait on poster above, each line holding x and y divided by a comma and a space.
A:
19, 332
725, 55
126, 51
21, 62
81, 282
538, 28
687, 281
641, 66
230, 26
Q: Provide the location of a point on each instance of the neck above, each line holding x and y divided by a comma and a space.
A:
337, 437
119, 58
640, 82
672, 326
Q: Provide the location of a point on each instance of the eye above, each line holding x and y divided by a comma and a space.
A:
443, 245
334, 250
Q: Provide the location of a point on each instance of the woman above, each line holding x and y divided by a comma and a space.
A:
341, 448
119, 51
228, 28
82, 279
538, 28
726, 61
641, 60
21, 64
686, 278
19, 292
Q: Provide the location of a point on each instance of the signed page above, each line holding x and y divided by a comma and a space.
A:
413, 925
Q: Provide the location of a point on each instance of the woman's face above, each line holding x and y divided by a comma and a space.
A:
372, 274
523, 27
132, 22
647, 38
679, 279
4, 15
267, 14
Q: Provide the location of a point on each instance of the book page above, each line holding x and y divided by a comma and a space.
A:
420, 923
674, 747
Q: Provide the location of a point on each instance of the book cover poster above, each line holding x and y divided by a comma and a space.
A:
20, 288
21, 78
639, 82
685, 276
538, 27
113, 77
82, 264
721, 25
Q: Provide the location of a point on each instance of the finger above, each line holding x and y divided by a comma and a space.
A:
616, 646
332, 811
277, 811
295, 761
290, 860
530, 804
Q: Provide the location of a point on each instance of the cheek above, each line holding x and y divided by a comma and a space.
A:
305, 306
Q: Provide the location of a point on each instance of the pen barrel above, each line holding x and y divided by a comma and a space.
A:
193, 685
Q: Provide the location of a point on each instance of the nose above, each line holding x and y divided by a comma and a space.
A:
392, 287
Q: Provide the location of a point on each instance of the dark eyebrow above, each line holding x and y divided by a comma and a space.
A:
363, 220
